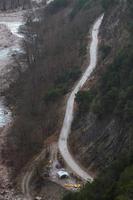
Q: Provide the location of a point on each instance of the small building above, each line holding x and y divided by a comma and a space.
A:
62, 174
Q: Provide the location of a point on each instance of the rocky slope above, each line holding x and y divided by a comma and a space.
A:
54, 57
55, 49
102, 128
13, 4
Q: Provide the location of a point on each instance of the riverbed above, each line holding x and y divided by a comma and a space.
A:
10, 39
10, 42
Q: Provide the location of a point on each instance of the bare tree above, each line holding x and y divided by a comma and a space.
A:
12, 4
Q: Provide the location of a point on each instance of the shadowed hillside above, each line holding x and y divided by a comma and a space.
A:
55, 49
12, 4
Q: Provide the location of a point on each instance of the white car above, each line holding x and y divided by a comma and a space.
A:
38, 198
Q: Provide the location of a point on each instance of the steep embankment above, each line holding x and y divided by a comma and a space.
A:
114, 183
9, 41
58, 46
66, 128
103, 124
9, 45
13, 4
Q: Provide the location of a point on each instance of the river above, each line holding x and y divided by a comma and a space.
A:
5, 53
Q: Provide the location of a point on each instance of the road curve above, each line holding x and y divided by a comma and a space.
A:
67, 122
28, 175
66, 128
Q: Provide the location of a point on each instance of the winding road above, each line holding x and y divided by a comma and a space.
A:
66, 128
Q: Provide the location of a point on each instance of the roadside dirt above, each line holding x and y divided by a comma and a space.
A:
50, 191
39, 177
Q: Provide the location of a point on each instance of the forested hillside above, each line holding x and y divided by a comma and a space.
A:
55, 49
114, 183
12, 4
55, 55
103, 126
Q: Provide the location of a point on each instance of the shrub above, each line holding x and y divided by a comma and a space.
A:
105, 51
53, 94
84, 99
57, 5
106, 4
68, 76
79, 4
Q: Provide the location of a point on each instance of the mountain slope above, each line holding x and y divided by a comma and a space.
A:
102, 128
102, 134
55, 48
13, 4
114, 183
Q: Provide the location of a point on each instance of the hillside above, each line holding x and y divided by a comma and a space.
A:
55, 50
6, 5
102, 128
114, 183
102, 132
54, 56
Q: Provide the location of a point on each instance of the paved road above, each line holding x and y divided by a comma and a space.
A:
66, 128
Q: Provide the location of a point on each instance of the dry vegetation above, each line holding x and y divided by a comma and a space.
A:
12, 4
55, 47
